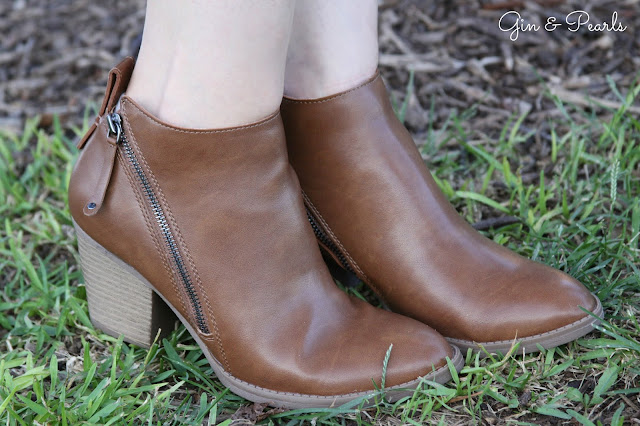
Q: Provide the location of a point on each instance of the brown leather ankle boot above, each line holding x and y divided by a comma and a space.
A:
378, 212
210, 225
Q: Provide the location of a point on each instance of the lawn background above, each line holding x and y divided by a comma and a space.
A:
536, 142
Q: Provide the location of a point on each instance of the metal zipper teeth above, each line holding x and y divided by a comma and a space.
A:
161, 219
328, 242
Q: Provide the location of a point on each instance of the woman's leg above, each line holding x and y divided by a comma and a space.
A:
334, 47
225, 68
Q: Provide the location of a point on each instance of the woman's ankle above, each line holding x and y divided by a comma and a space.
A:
333, 48
211, 65
181, 100
315, 85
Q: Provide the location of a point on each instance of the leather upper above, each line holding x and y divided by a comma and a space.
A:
363, 174
274, 315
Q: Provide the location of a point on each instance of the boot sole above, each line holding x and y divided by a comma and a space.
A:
122, 302
550, 339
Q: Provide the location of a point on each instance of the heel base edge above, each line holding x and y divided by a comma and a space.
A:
120, 301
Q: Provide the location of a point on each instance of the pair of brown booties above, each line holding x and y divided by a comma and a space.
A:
223, 226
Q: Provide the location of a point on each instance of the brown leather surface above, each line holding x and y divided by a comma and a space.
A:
101, 173
121, 225
362, 171
276, 318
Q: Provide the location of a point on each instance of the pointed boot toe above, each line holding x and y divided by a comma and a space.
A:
540, 307
415, 351
209, 227
378, 214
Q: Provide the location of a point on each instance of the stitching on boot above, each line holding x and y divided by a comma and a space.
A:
209, 309
151, 229
335, 239
183, 246
180, 239
330, 98
180, 289
584, 320
433, 372
194, 270
204, 131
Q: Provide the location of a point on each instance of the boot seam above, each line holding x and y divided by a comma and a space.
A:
322, 397
167, 126
172, 272
179, 237
375, 77
359, 272
193, 268
598, 311
152, 231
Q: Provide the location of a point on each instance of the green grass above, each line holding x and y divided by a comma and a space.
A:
582, 216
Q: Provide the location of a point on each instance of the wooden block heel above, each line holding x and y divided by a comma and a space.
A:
119, 301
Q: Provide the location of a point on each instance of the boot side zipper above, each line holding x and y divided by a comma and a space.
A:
328, 242
115, 128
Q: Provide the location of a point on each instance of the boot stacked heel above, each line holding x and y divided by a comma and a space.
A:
120, 303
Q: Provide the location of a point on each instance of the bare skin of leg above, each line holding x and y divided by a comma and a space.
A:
212, 64
334, 47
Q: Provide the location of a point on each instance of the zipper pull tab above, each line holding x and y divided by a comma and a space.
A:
115, 125
117, 82
104, 157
